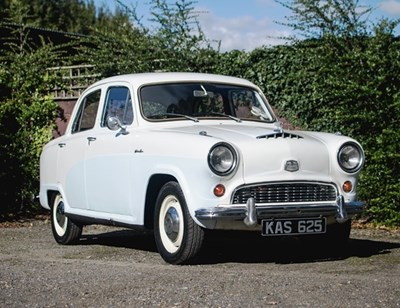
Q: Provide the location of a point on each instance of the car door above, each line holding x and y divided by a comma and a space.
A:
109, 166
72, 150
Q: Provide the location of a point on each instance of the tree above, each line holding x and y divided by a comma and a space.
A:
75, 16
176, 44
179, 32
318, 19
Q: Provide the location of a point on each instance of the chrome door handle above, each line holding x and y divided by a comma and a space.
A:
90, 139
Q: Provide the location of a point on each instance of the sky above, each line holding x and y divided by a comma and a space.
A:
248, 24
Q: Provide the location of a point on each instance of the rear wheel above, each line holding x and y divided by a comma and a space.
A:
64, 230
178, 237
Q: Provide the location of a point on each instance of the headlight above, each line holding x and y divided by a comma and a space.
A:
350, 157
222, 159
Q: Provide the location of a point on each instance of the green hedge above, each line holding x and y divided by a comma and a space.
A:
27, 118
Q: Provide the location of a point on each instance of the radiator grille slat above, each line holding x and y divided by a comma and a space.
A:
286, 193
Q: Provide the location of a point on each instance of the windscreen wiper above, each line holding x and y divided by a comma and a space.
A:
184, 116
226, 116
168, 114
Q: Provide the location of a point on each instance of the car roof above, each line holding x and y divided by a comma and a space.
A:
165, 77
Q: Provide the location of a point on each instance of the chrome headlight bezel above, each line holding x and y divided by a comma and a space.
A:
222, 159
350, 157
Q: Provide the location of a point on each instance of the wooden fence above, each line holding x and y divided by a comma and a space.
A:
76, 79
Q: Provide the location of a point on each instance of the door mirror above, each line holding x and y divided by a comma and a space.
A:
113, 123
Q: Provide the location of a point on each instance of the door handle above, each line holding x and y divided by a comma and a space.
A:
90, 139
62, 144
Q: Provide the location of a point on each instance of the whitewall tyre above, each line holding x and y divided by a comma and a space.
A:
178, 237
64, 230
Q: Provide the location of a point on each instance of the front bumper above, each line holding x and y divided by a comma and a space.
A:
251, 215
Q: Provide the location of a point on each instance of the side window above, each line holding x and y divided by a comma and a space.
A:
86, 116
118, 104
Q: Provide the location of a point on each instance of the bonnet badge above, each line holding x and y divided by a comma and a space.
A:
292, 166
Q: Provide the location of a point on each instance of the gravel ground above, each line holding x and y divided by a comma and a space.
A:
114, 267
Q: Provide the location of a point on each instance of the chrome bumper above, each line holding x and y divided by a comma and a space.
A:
251, 214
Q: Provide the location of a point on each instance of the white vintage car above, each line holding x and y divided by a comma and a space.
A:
179, 153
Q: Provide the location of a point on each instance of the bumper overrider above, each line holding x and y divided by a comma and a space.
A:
251, 215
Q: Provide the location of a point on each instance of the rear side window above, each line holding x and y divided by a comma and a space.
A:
86, 116
118, 104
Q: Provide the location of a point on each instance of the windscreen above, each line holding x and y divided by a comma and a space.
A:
203, 100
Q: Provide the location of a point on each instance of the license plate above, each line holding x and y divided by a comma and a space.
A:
297, 226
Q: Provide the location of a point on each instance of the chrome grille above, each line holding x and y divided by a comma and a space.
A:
286, 193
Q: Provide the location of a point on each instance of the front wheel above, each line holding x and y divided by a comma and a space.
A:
64, 230
178, 237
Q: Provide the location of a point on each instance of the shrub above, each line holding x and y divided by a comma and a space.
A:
27, 118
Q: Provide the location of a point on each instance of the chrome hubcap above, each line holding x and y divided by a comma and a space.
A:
171, 224
60, 217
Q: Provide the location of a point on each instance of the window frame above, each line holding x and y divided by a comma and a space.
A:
127, 101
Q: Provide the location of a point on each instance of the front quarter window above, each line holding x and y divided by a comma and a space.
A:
118, 104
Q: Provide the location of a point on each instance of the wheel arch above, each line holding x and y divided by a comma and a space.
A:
154, 186
50, 195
